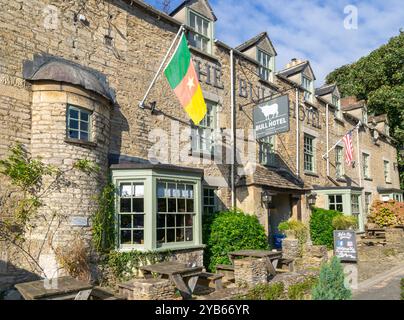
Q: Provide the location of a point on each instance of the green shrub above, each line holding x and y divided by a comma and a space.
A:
273, 291
321, 229
227, 231
330, 284
344, 222
302, 290
383, 215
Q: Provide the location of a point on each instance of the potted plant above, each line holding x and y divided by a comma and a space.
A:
286, 228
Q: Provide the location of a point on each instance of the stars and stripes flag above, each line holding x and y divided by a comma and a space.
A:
348, 148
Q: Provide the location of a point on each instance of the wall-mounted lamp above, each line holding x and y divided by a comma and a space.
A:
266, 197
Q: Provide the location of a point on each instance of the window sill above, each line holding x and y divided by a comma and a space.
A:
161, 249
389, 182
368, 179
339, 179
341, 121
81, 142
206, 54
312, 174
268, 83
202, 154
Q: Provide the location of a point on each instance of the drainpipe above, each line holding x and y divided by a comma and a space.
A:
233, 130
327, 138
297, 133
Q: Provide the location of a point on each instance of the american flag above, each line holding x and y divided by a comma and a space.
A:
348, 148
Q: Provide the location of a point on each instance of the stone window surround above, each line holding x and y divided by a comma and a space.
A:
48, 91
150, 178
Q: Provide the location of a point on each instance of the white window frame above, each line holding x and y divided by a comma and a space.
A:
368, 201
307, 84
204, 133
386, 171
366, 165
339, 162
81, 111
265, 63
310, 153
194, 33
335, 203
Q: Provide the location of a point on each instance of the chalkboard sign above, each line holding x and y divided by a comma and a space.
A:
345, 245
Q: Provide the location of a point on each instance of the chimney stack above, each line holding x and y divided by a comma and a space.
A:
293, 62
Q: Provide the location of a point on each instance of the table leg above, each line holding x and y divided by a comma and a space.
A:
270, 268
185, 291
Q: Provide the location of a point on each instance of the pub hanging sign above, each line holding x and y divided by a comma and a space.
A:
271, 117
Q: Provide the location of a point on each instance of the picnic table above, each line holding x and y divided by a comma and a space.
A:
271, 257
182, 275
376, 232
62, 288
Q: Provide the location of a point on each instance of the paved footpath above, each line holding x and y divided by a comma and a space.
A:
385, 286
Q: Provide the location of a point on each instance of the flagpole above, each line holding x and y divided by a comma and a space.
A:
325, 154
179, 33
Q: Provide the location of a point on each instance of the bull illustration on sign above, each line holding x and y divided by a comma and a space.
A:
270, 110
271, 117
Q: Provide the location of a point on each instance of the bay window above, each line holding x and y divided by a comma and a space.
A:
157, 208
335, 202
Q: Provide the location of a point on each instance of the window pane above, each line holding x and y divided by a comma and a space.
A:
83, 126
172, 205
339, 208
171, 190
170, 220
188, 220
126, 237
339, 198
190, 191
179, 220
138, 221
170, 235
73, 113
161, 236
162, 205
181, 205
161, 190
84, 116
180, 235
83, 135
190, 205
188, 234
126, 221
125, 205
73, 134
138, 205
139, 190
138, 236
126, 190
73, 124
161, 221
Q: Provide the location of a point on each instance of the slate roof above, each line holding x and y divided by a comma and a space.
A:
380, 118
295, 69
187, 2
279, 179
326, 89
253, 41
353, 106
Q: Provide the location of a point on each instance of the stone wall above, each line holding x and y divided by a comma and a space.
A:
250, 271
148, 289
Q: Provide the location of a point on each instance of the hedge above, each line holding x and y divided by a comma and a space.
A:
227, 231
321, 229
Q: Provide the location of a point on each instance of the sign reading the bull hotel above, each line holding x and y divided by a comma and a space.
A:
70, 88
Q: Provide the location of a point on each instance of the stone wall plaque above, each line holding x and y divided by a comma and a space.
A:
79, 221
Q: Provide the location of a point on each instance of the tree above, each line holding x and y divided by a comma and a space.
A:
379, 79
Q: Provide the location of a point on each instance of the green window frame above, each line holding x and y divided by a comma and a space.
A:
209, 200
365, 165
78, 123
355, 208
203, 136
264, 60
201, 34
339, 163
175, 212
308, 149
131, 213
335, 202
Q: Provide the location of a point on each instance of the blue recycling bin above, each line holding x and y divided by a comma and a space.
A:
278, 237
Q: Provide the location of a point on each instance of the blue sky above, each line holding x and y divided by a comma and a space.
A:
308, 29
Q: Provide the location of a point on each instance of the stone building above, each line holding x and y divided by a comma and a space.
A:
71, 79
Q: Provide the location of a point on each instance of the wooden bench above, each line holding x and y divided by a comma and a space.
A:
227, 271
212, 280
286, 262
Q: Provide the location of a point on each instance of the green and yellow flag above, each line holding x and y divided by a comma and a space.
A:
181, 75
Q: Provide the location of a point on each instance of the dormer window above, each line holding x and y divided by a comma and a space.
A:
337, 103
265, 65
201, 35
308, 85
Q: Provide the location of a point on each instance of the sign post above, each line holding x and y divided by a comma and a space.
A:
271, 117
345, 245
